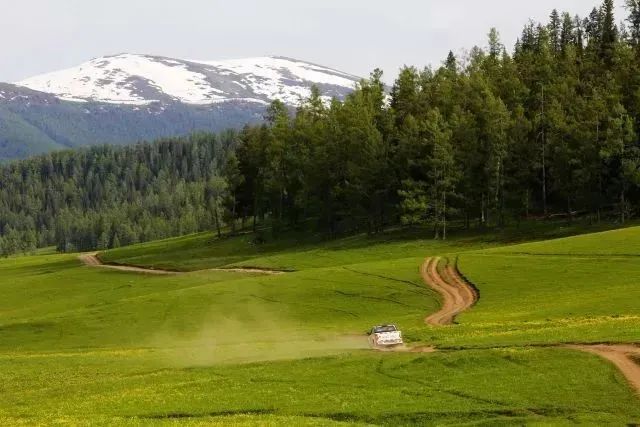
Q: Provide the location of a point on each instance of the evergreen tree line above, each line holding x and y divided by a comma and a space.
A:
104, 197
550, 128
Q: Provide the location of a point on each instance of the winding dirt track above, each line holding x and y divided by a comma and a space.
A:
457, 294
92, 260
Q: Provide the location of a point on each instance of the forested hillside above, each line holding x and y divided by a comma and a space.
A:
106, 196
33, 123
550, 128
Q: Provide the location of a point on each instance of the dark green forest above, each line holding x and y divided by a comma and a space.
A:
549, 128
106, 196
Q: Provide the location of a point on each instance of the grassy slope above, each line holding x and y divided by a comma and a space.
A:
79, 343
623, 242
301, 251
578, 289
201, 251
71, 306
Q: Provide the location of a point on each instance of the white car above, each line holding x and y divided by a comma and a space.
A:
385, 336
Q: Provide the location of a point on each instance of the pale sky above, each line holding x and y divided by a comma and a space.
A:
355, 36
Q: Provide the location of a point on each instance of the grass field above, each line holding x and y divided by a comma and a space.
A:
580, 289
545, 300
81, 345
303, 251
202, 251
510, 386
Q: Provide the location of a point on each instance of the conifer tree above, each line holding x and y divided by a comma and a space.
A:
609, 32
451, 62
633, 21
555, 31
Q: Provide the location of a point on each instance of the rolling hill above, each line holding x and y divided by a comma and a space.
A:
86, 345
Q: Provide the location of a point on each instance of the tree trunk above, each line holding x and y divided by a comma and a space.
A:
217, 219
330, 217
622, 207
233, 213
467, 219
382, 215
444, 215
600, 192
485, 213
544, 162
500, 196
436, 228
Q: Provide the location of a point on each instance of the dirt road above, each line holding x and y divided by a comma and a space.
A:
457, 294
621, 356
92, 260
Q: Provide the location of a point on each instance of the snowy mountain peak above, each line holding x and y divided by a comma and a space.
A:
143, 79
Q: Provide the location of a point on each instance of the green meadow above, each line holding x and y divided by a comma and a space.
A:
83, 345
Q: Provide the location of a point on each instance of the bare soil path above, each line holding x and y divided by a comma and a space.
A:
92, 260
457, 294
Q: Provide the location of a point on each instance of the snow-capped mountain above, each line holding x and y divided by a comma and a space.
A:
144, 79
127, 98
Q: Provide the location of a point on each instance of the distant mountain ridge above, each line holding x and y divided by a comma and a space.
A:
126, 98
143, 79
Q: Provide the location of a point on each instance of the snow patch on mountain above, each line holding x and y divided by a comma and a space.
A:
144, 79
